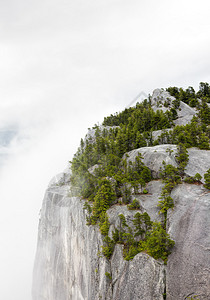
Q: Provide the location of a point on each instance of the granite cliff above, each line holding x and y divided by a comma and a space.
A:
69, 264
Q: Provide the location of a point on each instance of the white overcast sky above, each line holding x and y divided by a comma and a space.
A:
64, 65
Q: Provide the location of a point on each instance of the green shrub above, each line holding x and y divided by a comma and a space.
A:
104, 224
189, 179
197, 177
108, 249
182, 158
134, 205
193, 179
157, 243
123, 220
103, 199
138, 223
207, 179
87, 207
108, 275
115, 235
133, 250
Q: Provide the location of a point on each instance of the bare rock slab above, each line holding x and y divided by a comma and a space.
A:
188, 267
141, 278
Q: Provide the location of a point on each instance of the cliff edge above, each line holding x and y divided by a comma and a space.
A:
142, 181
69, 264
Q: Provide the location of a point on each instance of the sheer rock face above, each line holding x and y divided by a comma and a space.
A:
188, 268
69, 265
140, 278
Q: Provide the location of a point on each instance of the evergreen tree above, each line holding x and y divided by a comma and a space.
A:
103, 199
207, 179
104, 224
157, 243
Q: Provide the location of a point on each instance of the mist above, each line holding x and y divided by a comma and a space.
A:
64, 66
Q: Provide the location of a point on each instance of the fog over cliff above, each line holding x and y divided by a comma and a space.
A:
26, 168
64, 66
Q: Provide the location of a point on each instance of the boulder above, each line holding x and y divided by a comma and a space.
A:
162, 100
153, 157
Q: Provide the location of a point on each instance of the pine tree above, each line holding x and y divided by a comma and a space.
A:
207, 179
157, 243
137, 221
